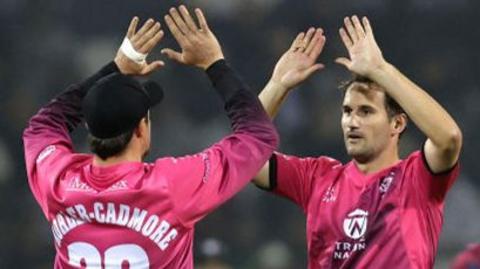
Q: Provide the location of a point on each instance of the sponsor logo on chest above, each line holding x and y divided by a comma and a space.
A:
354, 227
355, 223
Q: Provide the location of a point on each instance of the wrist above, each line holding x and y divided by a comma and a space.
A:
120, 63
211, 62
278, 86
379, 70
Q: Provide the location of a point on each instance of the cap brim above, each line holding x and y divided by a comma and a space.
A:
155, 92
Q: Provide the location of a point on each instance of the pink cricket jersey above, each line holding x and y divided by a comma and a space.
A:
469, 258
138, 215
388, 219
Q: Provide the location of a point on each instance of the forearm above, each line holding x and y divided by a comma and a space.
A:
427, 114
243, 107
272, 97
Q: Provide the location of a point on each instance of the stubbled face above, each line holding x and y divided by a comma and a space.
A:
365, 123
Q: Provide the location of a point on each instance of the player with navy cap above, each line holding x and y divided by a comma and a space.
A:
110, 209
376, 211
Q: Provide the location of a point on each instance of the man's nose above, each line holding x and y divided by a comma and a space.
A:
353, 122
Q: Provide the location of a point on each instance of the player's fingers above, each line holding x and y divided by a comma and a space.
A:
188, 18
173, 55
306, 40
344, 61
315, 39
177, 34
148, 35
201, 20
318, 48
351, 30
152, 67
179, 21
345, 38
358, 27
367, 26
132, 27
297, 41
152, 42
146, 26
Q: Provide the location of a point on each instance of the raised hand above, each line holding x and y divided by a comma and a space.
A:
299, 62
199, 45
142, 42
365, 55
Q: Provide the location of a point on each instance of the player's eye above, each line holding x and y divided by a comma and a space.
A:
346, 110
365, 111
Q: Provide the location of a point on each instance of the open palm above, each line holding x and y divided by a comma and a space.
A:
365, 55
143, 41
299, 62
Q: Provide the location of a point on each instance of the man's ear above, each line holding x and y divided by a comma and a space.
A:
399, 123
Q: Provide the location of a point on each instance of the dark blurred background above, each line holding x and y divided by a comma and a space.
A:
45, 45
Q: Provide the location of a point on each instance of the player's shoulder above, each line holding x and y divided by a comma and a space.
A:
322, 161
412, 159
57, 155
180, 162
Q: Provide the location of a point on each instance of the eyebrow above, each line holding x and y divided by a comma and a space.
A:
359, 107
367, 107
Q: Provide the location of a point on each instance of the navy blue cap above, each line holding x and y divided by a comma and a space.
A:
116, 103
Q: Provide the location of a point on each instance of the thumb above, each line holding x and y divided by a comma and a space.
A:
152, 67
312, 69
344, 61
173, 55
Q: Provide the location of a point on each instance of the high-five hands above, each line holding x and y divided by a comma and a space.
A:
199, 45
300, 61
139, 44
201, 48
365, 55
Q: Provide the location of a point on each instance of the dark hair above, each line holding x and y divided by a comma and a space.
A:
105, 148
392, 107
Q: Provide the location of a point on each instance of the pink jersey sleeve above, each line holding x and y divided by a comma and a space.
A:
204, 181
293, 177
46, 139
430, 186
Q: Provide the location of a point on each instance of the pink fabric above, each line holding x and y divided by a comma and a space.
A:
388, 219
469, 258
106, 214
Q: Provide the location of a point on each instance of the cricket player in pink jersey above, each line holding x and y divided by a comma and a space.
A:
112, 210
376, 211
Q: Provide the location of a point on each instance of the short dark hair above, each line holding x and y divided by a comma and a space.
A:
108, 147
392, 107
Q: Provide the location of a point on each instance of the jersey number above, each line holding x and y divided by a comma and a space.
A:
114, 256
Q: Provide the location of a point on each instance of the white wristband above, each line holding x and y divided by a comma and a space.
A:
131, 53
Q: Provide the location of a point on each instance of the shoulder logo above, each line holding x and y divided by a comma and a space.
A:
355, 224
45, 153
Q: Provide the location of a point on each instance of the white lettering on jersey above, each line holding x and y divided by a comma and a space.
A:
355, 227
148, 225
